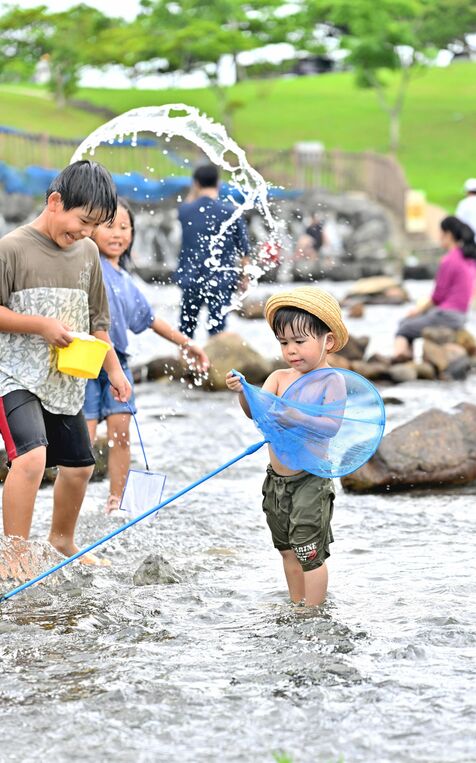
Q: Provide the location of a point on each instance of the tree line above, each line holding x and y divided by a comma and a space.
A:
386, 43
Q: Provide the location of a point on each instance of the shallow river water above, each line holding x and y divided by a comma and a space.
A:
219, 666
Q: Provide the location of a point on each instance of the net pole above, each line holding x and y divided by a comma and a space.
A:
251, 449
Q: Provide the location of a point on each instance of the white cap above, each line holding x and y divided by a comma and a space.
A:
470, 185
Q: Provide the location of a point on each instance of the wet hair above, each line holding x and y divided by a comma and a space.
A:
206, 176
86, 184
125, 260
301, 322
462, 234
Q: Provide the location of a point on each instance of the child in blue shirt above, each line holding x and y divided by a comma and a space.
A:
129, 309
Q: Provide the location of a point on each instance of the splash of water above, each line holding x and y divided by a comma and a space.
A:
180, 120
22, 559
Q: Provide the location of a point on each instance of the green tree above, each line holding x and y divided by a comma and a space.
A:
20, 49
448, 23
67, 40
71, 40
384, 49
391, 41
196, 34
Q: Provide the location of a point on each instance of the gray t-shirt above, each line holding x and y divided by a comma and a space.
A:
37, 277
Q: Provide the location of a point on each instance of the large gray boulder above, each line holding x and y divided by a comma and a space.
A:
436, 449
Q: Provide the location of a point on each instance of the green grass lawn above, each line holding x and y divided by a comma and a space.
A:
31, 108
437, 135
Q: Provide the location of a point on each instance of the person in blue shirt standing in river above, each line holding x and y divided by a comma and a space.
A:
129, 309
209, 277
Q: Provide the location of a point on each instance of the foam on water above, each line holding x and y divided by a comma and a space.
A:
22, 560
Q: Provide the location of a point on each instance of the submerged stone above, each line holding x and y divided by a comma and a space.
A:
154, 570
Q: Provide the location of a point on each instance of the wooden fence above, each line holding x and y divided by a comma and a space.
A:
377, 175
304, 167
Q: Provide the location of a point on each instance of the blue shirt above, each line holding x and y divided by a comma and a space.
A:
201, 219
128, 307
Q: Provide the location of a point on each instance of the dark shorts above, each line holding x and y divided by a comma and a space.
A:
25, 425
99, 402
299, 511
411, 328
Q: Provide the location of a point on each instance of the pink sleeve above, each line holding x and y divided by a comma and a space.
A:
442, 280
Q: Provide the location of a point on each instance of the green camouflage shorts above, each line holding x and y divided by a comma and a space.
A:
299, 511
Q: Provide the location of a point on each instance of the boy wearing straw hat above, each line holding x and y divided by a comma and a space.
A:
50, 285
308, 324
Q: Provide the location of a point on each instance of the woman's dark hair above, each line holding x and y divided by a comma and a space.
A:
86, 184
300, 321
462, 234
125, 260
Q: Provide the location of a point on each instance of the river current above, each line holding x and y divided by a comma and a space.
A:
218, 666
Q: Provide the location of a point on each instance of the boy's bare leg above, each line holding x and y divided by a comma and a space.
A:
19, 492
315, 586
70, 488
118, 425
294, 576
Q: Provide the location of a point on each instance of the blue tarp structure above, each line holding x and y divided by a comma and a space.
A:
74, 143
34, 181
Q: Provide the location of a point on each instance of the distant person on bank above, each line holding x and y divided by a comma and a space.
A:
209, 277
309, 243
454, 287
466, 209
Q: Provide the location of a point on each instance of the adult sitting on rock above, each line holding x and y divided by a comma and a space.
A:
454, 286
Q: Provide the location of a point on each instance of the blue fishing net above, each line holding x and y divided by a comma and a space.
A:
328, 422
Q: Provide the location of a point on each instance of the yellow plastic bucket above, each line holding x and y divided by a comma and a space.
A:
83, 357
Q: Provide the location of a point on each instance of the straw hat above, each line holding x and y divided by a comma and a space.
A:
315, 301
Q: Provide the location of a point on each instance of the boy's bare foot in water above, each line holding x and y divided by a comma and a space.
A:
93, 559
69, 549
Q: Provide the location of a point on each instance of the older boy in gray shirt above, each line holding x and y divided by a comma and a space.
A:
51, 284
